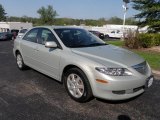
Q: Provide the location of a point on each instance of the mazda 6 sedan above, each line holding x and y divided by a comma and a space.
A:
86, 65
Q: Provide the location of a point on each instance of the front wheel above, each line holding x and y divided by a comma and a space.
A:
77, 85
20, 62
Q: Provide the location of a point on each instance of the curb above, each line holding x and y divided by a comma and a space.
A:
156, 73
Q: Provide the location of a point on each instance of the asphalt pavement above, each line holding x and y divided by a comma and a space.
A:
30, 95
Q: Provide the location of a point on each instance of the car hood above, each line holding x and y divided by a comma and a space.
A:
109, 54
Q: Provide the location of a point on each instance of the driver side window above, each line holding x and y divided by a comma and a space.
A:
31, 36
45, 36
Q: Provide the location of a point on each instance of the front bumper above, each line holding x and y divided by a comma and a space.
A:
120, 89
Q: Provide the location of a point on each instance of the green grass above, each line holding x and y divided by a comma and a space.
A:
116, 43
153, 58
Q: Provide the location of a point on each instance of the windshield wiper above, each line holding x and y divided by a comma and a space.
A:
89, 45
97, 44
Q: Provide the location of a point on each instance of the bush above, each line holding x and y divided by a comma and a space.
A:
131, 40
146, 40
156, 38
136, 40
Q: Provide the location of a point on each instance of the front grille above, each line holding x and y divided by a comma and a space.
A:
141, 68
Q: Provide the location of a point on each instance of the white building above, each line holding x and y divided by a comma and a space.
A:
111, 27
111, 30
6, 26
121, 27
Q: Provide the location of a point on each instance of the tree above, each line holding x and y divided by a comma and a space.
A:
102, 21
47, 15
149, 13
115, 20
126, 1
2, 13
25, 19
131, 21
13, 19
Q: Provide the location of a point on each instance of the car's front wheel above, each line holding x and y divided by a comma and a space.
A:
77, 85
106, 36
20, 62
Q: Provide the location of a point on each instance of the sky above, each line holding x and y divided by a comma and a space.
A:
78, 9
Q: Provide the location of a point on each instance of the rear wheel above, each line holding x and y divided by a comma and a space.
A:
77, 85
20, 62
107, 36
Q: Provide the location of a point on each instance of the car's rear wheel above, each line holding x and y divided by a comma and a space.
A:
20, 62
106, 36
77, 85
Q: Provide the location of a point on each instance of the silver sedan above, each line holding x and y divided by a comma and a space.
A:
85, 64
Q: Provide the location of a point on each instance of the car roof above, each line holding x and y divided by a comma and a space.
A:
58, 27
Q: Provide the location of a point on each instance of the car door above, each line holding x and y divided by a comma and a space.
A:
29, 48
112, 34
48, 58
117, 34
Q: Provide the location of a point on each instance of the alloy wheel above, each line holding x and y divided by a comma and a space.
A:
75, 85
19, 61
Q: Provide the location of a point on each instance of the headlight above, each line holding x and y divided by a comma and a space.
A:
114, 71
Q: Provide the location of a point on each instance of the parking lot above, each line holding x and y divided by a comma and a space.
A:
30, 95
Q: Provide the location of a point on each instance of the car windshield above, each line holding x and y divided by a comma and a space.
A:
23, 31
74, 38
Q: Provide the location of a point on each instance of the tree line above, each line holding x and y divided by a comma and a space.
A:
48, 17
149, 14
71, 21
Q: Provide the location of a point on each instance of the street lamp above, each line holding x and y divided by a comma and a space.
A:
125, 8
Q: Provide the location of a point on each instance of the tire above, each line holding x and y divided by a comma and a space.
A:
101, 36
106, 36
77, 85
19, 61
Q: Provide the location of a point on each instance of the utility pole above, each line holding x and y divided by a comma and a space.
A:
125, 8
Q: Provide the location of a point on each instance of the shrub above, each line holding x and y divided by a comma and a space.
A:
156, 38
146, 40
131, 40
136, 40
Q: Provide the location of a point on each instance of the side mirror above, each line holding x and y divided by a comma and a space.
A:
51, 44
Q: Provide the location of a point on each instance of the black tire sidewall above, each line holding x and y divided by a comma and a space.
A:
106, 36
